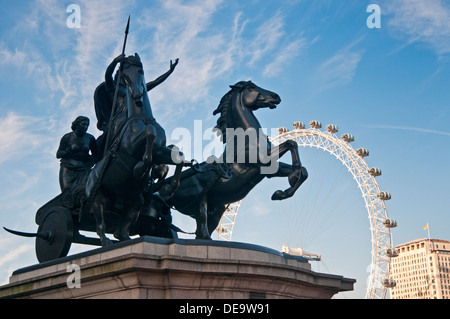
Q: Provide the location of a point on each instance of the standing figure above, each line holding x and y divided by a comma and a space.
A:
104, 98
77, 151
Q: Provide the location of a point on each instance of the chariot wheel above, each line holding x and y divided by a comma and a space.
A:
55, 235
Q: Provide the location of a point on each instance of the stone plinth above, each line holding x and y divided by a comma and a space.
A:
155, 268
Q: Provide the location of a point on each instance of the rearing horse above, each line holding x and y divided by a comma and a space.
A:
205, 192
117, 182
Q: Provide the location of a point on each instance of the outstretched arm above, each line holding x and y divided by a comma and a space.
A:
162, 78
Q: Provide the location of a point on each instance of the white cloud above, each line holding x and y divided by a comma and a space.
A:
267, 38
16, 58
31, 64
421, 21
100, 37
21, 136
410, 128
259, 207
340, 69
183, 30
73, 61
284, 57
168, 30
14, 254
11, 258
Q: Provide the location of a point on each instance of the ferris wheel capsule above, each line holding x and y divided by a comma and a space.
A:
332, 128
348, 138
373, 171
299, 125
392, 253
315, 124
384, 196
282, 130
363, 152
389, 283
390, 223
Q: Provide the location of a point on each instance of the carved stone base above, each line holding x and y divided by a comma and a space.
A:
154, 268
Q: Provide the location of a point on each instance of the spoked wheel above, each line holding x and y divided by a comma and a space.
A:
55, 235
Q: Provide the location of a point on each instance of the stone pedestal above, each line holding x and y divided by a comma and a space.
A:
155, 268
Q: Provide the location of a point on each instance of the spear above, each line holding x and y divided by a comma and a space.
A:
113, 109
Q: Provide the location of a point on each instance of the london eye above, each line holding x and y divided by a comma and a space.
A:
379, 280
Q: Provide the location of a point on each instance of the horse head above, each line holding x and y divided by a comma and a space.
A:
237, 106
133, 74
255, 97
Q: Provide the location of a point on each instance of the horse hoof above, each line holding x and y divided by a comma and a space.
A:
203, 236
279, 195
121, 237
106, 242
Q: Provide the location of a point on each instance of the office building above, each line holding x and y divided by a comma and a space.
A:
421, 270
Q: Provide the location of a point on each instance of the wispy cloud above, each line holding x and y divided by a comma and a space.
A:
14, 58
31, 64
10, 257
259, 209
21, 136
285, 57
183, 30
339, 69
267, 37
409, 128
14, 254
421, 21
93, 46
177, 29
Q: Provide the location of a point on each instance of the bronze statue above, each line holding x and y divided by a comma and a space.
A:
77, 151
104, 96
118, 183
118, 180
205, 191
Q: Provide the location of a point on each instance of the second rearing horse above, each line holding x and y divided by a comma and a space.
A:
205, 192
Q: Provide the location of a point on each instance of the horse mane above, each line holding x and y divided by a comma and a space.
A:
223, 122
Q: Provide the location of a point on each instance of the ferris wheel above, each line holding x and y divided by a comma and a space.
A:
379, 280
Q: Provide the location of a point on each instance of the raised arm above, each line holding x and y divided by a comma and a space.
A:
109, 81
162, 78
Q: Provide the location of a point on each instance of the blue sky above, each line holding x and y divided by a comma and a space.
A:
389, 87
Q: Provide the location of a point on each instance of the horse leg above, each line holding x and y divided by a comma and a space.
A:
202, 221
167, 190
122, 232
214, 217
142, 168
98, 208
289, 145
296, 173
295, 177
